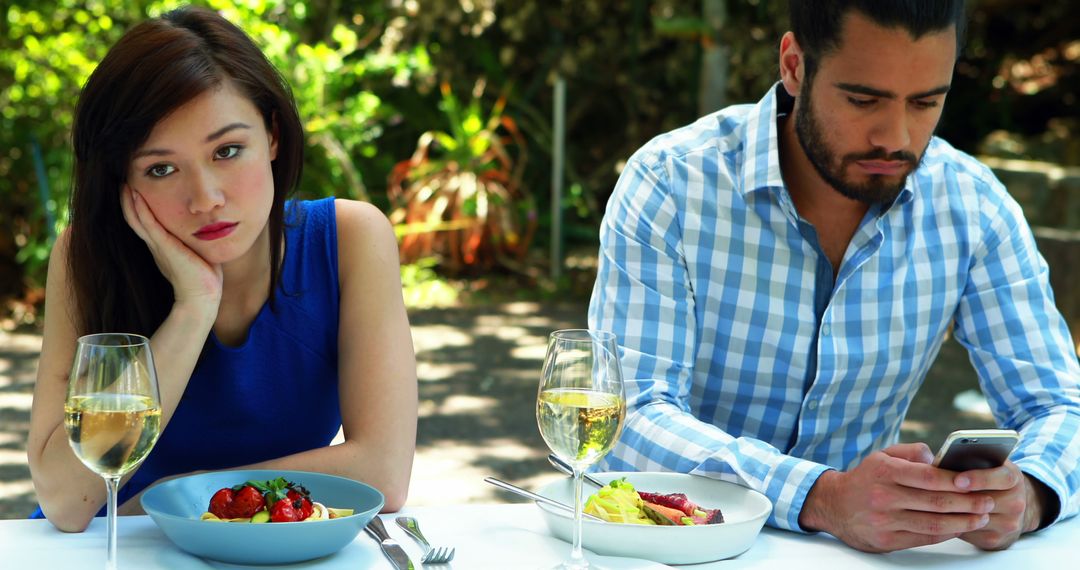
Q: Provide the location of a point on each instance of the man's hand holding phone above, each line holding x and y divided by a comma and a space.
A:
895, 499
899, 498
980, 460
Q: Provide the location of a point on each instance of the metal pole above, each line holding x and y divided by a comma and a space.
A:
43, 187
557, 153
715, 57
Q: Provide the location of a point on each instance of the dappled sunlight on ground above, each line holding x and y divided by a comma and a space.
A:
477, 399
451, 473
18, 365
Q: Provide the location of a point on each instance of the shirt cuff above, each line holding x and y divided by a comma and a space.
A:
1036, 470
788, 504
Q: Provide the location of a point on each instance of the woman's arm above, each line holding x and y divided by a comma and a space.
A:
377, 366
65, 487
68, 492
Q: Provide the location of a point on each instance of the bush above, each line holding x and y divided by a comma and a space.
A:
46, 54
365, 72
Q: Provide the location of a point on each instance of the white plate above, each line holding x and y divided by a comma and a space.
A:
745, 511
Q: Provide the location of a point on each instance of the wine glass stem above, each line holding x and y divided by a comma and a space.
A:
111, 483
577, 558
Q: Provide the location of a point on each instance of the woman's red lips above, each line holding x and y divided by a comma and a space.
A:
214, 231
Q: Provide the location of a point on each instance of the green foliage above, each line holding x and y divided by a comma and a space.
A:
1019, 72
422, 287
331, 79
459, 196
365, 74
631, 70
45, 56
48, 51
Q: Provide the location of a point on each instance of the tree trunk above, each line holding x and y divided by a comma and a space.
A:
320, 20
714, 58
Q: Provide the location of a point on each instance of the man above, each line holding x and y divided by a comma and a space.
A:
781, 276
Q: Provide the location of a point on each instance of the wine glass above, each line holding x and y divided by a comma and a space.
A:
580, 407
112, 413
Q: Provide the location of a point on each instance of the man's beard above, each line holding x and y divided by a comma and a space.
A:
877, 190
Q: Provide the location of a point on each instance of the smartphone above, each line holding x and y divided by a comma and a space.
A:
976, 449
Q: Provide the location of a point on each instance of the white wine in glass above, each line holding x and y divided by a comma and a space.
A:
112, 413
580, 407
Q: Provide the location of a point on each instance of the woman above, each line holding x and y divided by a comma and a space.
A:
272, 322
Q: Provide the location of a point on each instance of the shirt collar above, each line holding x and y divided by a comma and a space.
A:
761, 160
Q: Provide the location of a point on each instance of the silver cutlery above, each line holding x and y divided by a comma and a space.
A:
390, 547
432, 555
565, 468
539, 498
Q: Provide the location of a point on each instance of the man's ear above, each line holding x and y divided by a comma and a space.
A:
273, 134
792, 64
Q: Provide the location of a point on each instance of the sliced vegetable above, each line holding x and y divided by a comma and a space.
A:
663, 515
335, 513
679, 501
618, 501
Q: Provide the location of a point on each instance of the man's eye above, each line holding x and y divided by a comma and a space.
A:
860, 102
160, 170
923, 104
227, 152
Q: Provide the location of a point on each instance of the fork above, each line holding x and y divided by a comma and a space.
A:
432, 555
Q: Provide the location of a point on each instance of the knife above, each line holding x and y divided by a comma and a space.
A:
538, 498
390, 547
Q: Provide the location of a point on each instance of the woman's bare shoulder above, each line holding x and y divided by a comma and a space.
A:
365, 237
356, 216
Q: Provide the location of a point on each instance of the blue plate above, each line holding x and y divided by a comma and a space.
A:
176, 506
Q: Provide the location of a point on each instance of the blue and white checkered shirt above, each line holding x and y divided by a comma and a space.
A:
746, 361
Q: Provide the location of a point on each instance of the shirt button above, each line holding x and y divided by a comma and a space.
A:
826, 330
812, 404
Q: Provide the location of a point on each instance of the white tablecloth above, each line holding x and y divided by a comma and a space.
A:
512, 537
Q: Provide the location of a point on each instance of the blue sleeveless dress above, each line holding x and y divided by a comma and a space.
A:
277, 393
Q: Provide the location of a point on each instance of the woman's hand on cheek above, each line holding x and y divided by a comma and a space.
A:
192, 278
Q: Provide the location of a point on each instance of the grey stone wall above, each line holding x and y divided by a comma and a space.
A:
1049, 193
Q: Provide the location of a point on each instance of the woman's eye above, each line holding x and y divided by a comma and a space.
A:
160, 170
227, 152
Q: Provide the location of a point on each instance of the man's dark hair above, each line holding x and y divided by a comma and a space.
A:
817, 23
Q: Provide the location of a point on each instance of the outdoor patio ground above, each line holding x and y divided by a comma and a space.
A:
478, 367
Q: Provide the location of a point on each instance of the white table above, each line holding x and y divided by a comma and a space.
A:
511, 537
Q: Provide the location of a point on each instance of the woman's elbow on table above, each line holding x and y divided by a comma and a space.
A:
63, 498
395, 495
67, 518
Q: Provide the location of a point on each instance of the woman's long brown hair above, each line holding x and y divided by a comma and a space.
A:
155, 68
